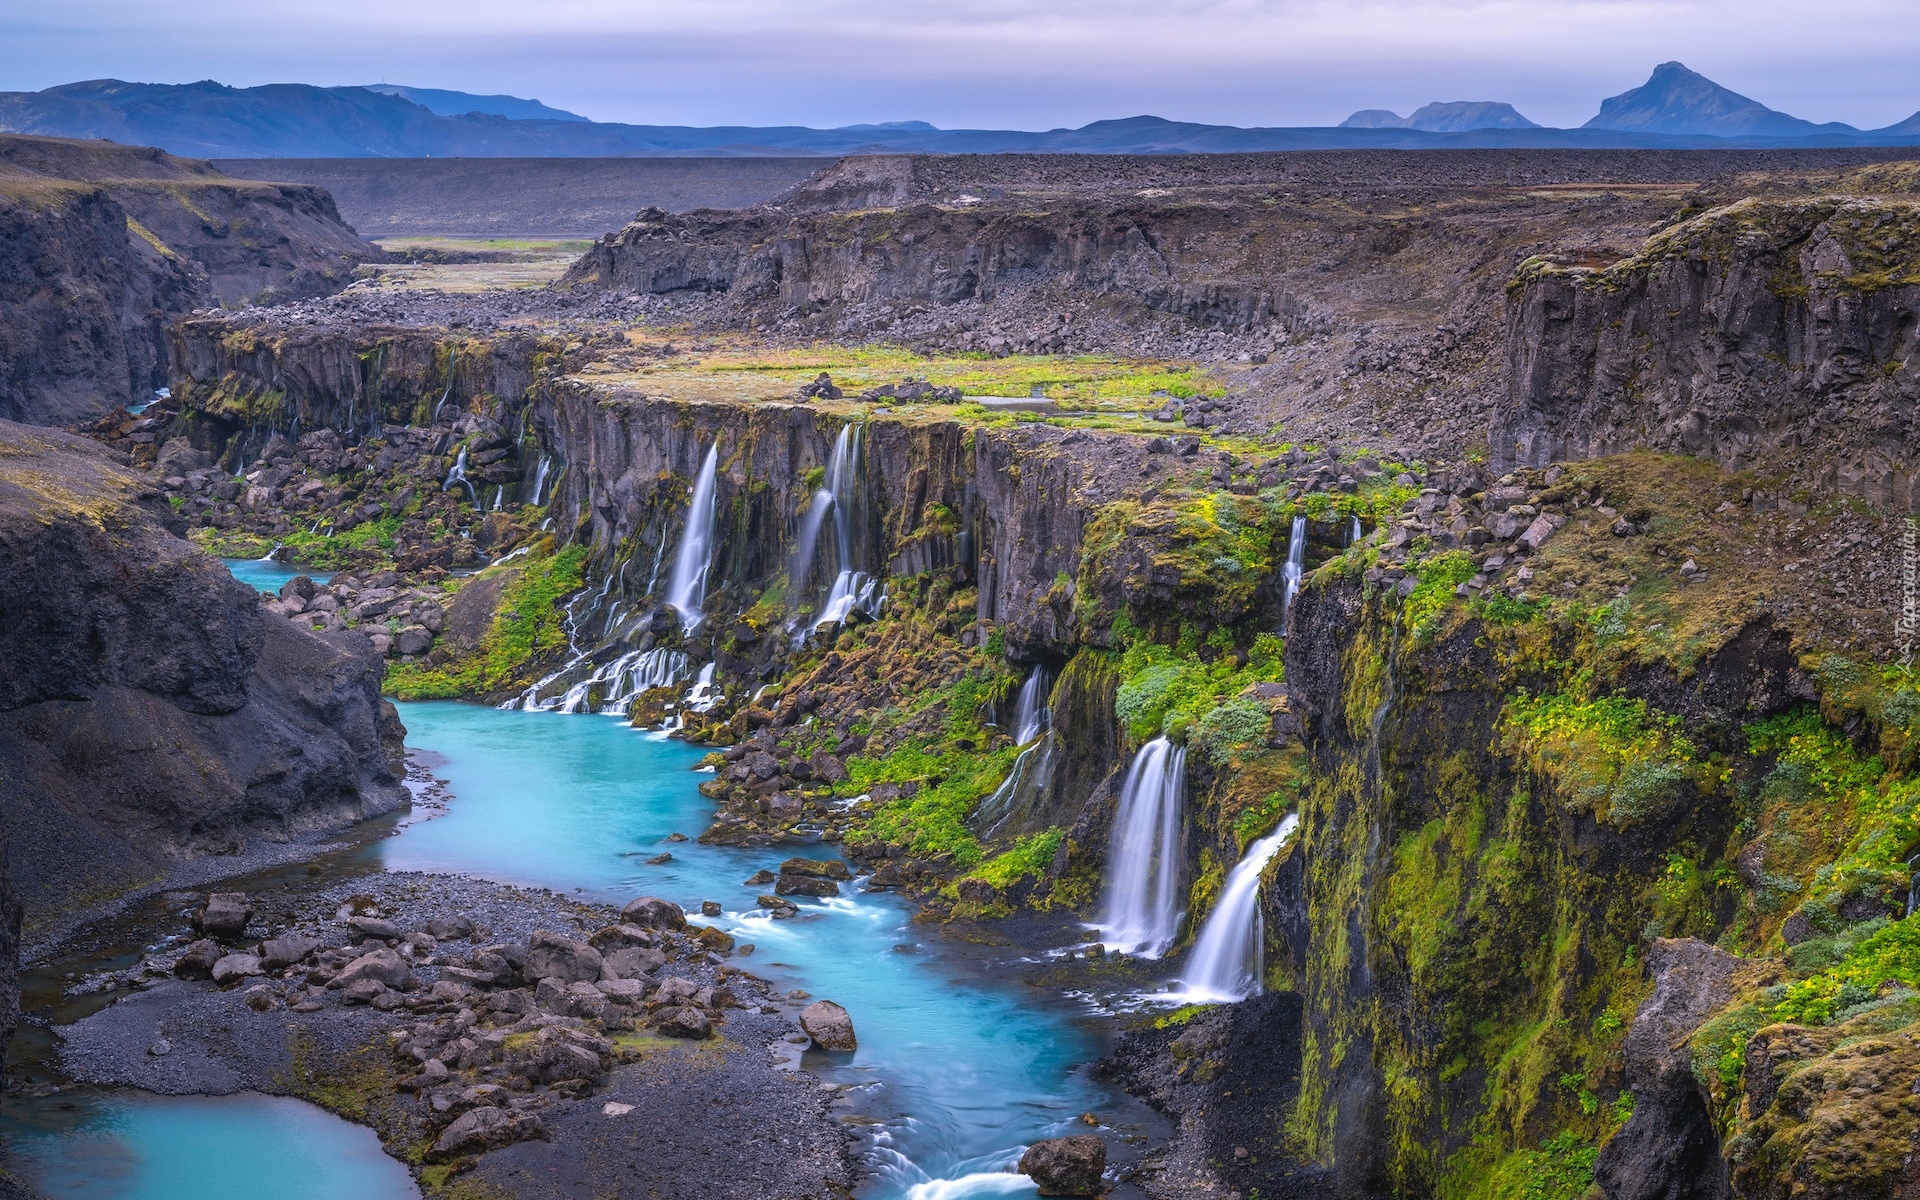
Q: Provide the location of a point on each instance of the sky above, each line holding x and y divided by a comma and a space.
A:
1020, 64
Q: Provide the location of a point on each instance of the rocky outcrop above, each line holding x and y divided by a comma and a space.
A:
1780, 334
1456, 885
9, 949
101, 246
149, 715
1670, 1149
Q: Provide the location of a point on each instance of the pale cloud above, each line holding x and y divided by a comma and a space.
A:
999, 63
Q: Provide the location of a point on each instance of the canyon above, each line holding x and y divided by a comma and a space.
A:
1496, 553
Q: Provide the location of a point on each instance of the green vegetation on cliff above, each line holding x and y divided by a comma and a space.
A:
528, 628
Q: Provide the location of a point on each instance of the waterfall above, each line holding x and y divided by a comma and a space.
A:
852, 588
809, 540
459, 475
1139, 915
540, 477
1228, 960
1295, 568
687, 586
1353, 531
619, 681
499, 496
1032, 769
1030, 717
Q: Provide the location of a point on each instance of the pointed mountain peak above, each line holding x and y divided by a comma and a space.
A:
1677, 100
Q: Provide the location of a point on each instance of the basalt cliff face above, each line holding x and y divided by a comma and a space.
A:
101, 246
150, 716
1766, 333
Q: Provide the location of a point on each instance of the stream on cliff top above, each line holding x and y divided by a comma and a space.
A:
959, 1073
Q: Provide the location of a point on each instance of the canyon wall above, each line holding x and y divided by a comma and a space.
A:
1775, 334
149, 715
102, 246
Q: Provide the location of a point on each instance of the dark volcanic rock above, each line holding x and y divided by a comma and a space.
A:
148, 714
9, 952
102, 245
1068, 1166
1670, 1149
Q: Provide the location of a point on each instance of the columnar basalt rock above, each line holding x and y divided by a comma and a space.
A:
1778, 334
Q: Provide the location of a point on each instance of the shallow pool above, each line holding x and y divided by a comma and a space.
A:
267, 575
135, 1146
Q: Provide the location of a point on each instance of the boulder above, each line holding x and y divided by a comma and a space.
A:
623, 991
485, 1128
363, 991
376, 927
802, 885
382, 966
651, 912
619, 937
831, 1028
225, 916
714, 938
817, 868
450, 928
196, 962
631, 962
286, 951
1068, 1166
234, 967
550, 956
684, 1022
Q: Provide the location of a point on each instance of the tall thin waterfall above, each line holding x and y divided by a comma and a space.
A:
852, 588
809, 539
687, 586
1296, 567
540, 477
458, 474
1030, 711
1143, 862
1228, 960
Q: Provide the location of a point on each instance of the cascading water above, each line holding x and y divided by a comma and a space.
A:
852, 588
540, 477
1030, 717
1353, 531
1295, 569
458, 474
1025, 781
687, 586
809, 539
1228, 960
1139, 915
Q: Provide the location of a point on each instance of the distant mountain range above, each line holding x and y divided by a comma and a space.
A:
1452, 116
1675, 109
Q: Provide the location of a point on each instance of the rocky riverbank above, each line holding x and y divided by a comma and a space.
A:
486, 1032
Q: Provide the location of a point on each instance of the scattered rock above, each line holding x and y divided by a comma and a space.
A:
198, 959
225, 916
831, 1028
550, 956
651, 912
1068, 1166
235, 967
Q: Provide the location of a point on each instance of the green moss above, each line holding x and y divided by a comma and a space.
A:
529, 624
1030, 858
